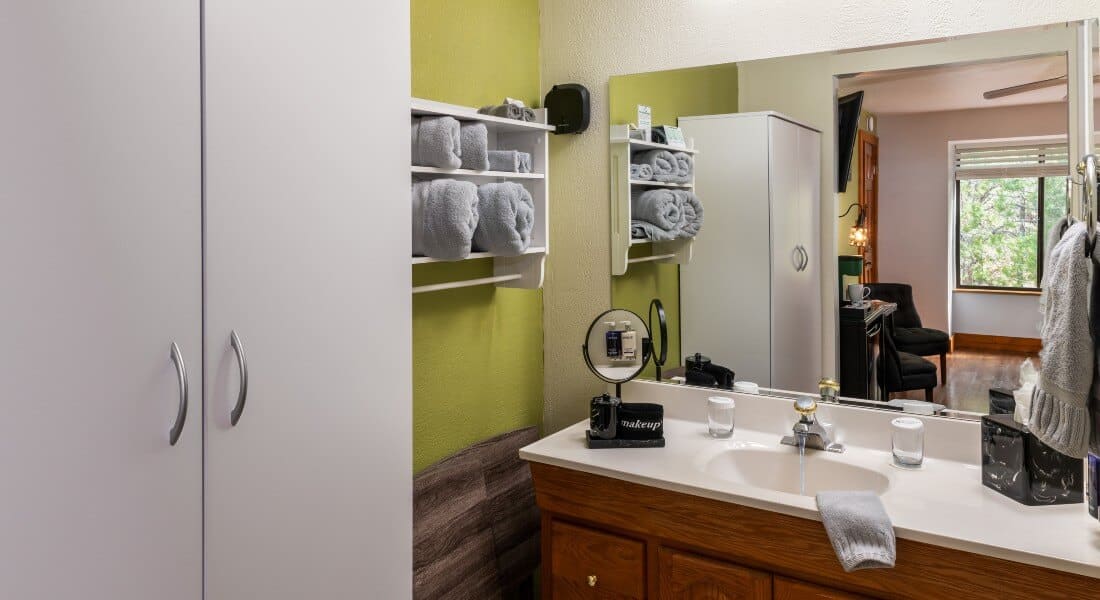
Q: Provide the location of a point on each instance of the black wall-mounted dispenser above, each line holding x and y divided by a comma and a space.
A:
567, 108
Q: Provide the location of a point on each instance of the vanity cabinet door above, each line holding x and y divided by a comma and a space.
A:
688, 577
791, 589
586, 563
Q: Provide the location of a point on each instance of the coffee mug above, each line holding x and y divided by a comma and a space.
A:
857, 293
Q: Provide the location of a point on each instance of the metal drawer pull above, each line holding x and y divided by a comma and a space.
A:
181, 414
591, 581
242, 364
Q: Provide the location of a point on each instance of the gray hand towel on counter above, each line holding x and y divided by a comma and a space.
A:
859, 529
444, 217
641, 172
685, 166
507, 216
508, 111
693, 213
659, 207
509, 161
475, 146
436, 142
662, 162
1059, 403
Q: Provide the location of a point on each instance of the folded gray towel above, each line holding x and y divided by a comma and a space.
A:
436, 142
662, 162
507, 218
508, 111
444, 217
1059, 404
645, 230
660, 207
641, 172
475, 146
693, 213
685, 166
510, 161
859, 529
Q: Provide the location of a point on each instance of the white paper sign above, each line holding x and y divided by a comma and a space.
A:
674, 136
645, 117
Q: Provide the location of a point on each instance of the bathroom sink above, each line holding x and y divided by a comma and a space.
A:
777, 469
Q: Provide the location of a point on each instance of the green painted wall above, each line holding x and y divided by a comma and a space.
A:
477, 352
671, 94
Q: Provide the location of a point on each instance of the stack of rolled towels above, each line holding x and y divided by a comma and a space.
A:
447, 143
663, 215
450, 218
662, 166
509, 110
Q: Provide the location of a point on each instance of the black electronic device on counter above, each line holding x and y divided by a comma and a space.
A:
700, 371
1018, 465
567, 107
615, 424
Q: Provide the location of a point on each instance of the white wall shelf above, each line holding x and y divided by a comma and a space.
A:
622, 187
526, 270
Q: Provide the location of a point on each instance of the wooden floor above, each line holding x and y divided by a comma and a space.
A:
970, 374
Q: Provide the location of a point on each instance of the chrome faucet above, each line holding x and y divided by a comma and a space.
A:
808, 427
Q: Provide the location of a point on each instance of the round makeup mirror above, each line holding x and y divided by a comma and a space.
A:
617, 346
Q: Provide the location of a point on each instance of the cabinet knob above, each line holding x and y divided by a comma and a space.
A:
592, 581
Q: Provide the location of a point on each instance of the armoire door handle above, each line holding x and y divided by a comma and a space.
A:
805, 258
181, 413
242, 391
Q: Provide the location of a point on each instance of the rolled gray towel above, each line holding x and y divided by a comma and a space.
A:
507, 218
859, 529
662, 162
659, 207
444, 217
436, 142
693, 213
475, 146
508, 111
685, 166
641, 172
645, 230
509, 161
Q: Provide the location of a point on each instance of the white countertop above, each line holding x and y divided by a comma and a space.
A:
944, 503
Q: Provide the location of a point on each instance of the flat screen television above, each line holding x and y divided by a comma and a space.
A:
847, 108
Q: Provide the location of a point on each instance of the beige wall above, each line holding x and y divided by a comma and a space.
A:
914, 208
588, 42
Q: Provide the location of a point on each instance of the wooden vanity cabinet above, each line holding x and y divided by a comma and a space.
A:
609, 539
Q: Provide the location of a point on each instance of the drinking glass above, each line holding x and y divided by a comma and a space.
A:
720, 416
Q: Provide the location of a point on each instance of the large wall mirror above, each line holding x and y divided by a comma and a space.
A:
925, 178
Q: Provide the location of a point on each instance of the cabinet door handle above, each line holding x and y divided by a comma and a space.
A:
591, 581
242, 364
805, 258
181, 414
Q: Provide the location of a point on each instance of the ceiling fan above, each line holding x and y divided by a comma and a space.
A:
1027, 87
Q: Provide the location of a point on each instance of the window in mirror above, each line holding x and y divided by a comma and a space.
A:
1001, 225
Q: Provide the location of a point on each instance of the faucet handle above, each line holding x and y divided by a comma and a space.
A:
829, 388
805, 406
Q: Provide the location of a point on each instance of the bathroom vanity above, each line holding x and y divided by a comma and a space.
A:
724, 519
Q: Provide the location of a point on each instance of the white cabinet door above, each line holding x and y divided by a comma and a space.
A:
307, 259
808, 315
100, 260
788, 286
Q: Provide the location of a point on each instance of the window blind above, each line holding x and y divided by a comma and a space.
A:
1005, 159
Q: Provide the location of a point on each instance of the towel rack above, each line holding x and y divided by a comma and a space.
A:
1088, 170
642, 259
450, 285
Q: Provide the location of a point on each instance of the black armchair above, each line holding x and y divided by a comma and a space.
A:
903, 371
909, 334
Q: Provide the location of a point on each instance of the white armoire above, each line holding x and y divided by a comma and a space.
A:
205, 388
750, 298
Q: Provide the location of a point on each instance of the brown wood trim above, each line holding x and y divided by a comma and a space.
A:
997, 291
997, 343
784, 545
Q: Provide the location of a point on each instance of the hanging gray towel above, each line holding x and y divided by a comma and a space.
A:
659, 207
508, 111
507, 216
444, 217
509, 161
1059, 404
475, 146
436, 142
693, 213
859, 529
685, 166
662, 162
641, 172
